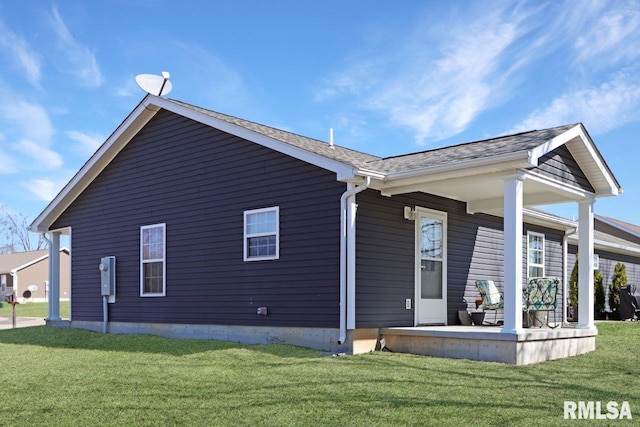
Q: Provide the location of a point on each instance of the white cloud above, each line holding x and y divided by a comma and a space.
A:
88, 143
29, 120
26, 58
45, 157
355, 81
227, 89
440, 80
82, 62
615, 34
7, 164
44, 189
610, 105
128, 88
441, 97
29, 134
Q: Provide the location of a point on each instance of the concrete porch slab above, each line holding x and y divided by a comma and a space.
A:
490, 344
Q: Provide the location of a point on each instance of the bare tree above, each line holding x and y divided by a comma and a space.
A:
15, 235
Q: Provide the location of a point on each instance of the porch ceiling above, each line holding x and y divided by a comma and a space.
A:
484, 192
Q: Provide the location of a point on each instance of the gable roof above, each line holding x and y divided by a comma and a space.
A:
20, 260
504, 145
506, 153
628, 228
348, 156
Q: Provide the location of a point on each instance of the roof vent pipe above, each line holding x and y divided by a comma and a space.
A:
331, 137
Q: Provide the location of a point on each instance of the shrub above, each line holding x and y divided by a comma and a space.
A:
598, 291
618, 280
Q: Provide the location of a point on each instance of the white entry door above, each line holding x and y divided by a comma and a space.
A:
431, 267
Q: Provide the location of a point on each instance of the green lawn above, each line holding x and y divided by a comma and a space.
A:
34, 309
62, 377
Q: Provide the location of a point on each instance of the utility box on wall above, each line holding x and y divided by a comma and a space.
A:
108, 277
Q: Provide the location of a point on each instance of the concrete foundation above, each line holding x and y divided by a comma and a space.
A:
323, 339
458, 342
490, 344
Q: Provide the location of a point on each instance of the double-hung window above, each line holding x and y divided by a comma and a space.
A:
153, 260
262, 234
535, 254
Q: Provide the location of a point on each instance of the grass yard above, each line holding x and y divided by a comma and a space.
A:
60, 377
34, 309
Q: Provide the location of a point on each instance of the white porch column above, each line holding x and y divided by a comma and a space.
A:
54, 277
585, 266
513, 253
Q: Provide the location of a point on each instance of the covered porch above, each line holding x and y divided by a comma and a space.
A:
505, 177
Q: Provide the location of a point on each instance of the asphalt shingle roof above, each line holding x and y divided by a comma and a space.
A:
467, 151
340, 154
10, 261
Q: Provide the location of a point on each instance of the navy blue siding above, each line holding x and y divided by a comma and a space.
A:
386, 256
608, 261
560, 165
199, 181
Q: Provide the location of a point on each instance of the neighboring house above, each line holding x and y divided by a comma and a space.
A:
227, 229
29, 271
615, 241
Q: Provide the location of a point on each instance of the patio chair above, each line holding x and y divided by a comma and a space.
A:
541, 296
492, 299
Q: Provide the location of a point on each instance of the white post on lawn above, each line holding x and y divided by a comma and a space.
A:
585, 265
54, 277
513, 187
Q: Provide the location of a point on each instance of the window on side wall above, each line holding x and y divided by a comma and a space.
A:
535, 254
153, 260
262, 234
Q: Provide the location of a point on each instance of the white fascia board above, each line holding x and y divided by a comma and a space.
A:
617, 225
612, 188
510, 161
554, 143
139, 117
343, 171
578, 133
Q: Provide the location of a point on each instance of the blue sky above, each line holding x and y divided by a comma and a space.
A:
390, 77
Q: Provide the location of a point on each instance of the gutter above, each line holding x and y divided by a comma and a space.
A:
347, 257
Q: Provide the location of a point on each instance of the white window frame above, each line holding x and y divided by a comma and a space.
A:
529, 263
275, 233
145, 261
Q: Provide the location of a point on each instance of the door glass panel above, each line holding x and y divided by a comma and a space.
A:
431, 279
431, 241
431, 257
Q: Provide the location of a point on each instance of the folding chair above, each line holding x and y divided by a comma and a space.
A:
492, 299
541, 296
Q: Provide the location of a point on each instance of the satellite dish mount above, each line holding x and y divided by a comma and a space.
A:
154, 84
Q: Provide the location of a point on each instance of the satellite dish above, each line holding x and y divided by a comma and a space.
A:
153, 84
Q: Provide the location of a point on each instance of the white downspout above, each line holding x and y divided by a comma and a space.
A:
346, 258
